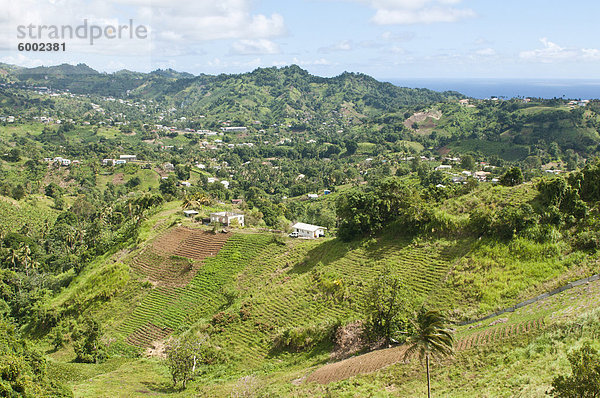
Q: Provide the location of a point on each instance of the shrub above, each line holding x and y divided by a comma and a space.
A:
588, 240
585, 378
86, 342
304, 338
514, 176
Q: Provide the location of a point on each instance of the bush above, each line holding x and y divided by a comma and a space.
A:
514, 176
588, 241
304, 338
386, 309
585, 378
86, 342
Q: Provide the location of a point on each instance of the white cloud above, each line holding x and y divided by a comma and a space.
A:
22, 60
303, 62
591, 53
175, 26
344, 45
399, 36
552, 52
260, 46
486, 52
406, 12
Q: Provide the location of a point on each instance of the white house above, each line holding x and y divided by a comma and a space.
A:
444, 167
239, 129
226, 217
128, 157
190, 213
308, 230
482, 175
313, 196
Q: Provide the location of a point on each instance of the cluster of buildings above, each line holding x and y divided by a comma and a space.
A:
62, 161
228, 218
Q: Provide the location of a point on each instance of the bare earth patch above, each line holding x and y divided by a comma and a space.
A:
118, 179
348, 341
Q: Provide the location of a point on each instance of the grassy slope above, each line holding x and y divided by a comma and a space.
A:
278, 287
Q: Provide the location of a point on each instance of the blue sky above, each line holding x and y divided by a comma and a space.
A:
388, 39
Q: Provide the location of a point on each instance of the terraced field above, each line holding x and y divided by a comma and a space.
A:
526, 320
290, 295
175, 256
184, 287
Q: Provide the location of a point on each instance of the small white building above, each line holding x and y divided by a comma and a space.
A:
185, 184
190, 213
226, 217
128, 158
235, 129
308, 230
313, 196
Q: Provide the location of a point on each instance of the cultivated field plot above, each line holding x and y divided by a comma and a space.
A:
283, 288
174, 257
188, 269
523, 321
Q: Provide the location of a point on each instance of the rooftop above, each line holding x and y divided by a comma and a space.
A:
307, 227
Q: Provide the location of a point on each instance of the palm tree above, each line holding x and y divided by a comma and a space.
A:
431, 338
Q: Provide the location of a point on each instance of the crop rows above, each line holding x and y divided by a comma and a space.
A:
203, 296
169, 241
145, 335
491, 335
163, 271
200, 245
376, 360
289, 298
167, 307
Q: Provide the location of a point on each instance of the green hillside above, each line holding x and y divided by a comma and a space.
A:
473, 208
271, 304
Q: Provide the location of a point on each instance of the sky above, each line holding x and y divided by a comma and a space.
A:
387, 39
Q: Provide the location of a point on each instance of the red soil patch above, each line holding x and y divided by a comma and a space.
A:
362, 364
118, 179
379, 359
175, 256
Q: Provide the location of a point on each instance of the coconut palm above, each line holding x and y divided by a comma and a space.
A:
431, 338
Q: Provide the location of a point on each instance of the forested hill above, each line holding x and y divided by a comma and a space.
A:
278, 92
288, 92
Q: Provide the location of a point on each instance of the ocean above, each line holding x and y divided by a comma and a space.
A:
509, 88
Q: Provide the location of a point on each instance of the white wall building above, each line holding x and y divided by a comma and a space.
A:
226, 217
128, 157
308, 230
